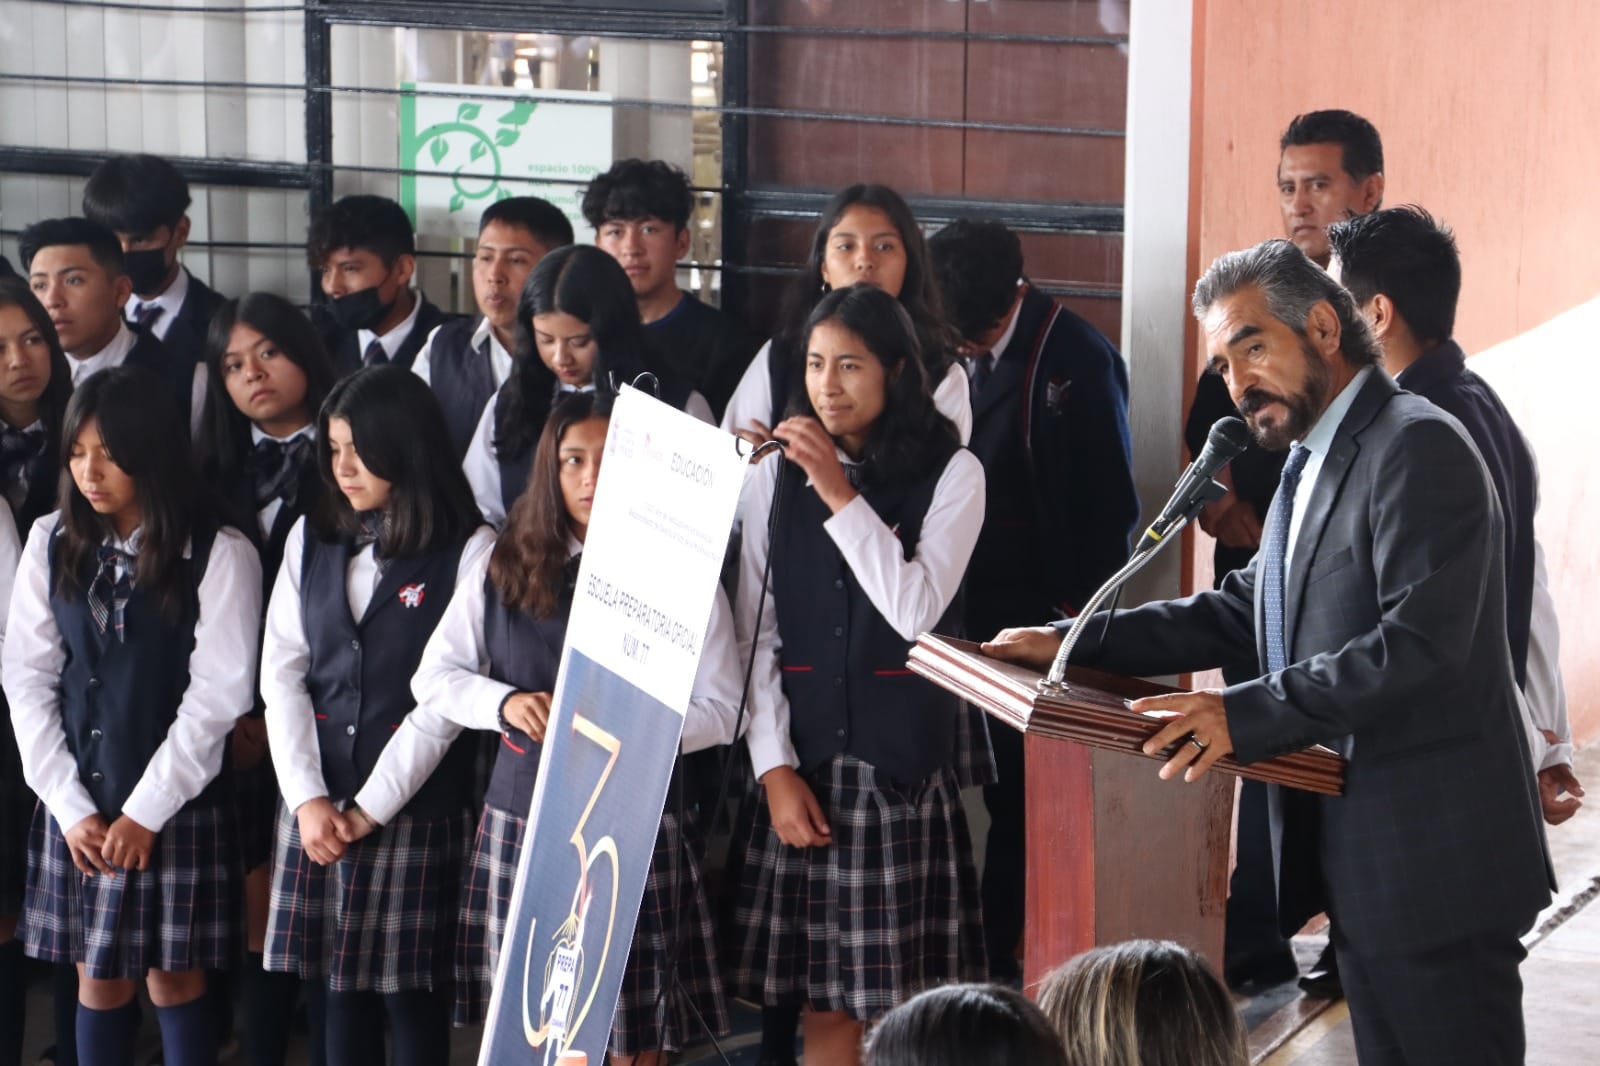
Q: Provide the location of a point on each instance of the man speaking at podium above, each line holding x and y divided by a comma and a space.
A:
1375, 608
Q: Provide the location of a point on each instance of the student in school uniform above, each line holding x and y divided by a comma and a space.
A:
466, 359
1050, 425
866, 234
363, 583
858, 885
34, 388
268, 375
75, 268
640, 211
491, 665
578, 330
129, 652
145, 202
365, 252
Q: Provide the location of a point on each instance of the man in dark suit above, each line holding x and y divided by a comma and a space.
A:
145, 202
1330, 167
1376, 608
1404, 272
365, 251
1050, 424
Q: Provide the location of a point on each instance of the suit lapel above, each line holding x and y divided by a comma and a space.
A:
1002, 383
1325, 494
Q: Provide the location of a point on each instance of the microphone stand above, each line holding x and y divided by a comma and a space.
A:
1150, 544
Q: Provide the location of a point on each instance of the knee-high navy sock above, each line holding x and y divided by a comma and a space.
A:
419, 1023
13, 1002
269, 1010
106, 1037
316, 994
189, 1033
354, 1028
64, 1010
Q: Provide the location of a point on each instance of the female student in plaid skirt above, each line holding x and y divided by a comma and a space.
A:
364, 581
858, 886
257, 449
35, 384
131, 642
491, 665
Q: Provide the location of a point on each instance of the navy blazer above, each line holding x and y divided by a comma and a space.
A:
1051, 429
186, 336
1441, 376
1395, 615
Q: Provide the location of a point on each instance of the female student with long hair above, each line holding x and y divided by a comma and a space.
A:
35, 384
131, 644
865, 235
267, 376
364, 581
491, 665
858, 885
578, 329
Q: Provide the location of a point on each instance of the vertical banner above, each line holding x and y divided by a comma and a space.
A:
471, 152
663, 511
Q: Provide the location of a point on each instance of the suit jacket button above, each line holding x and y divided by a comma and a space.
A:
838, 631
838, 682
838, 582
355, 645
97, 777
94, 682
349, 730
95, 734
841, 734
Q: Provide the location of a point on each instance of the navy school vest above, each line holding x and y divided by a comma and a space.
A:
462, 380
119, 698
359, 678
525, 653
844, 667
514, 472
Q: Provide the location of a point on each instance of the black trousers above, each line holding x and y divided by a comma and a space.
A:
1459, 1004
1005, 861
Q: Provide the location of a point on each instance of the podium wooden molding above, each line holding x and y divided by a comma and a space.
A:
1113, 852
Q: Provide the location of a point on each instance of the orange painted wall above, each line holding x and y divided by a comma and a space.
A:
1488, 110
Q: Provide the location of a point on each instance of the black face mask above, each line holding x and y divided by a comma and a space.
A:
362, 309
146, 268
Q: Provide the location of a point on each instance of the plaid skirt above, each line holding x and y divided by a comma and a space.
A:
181, 914
673, 893
974, 757
889, 908
381, 919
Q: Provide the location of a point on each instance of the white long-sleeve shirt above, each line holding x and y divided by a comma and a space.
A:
286, 657
221, 682
911, 595
454, 692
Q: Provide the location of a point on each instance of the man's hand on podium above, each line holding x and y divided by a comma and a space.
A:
1034, 646
796, 815
1198, 725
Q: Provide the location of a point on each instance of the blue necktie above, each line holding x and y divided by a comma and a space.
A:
1275, 547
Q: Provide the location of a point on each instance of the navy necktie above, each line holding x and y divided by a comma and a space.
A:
1274, 549
111, 589
147, 314
979, 367
376, 354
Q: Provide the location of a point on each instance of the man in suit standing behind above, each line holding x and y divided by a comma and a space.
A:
1050, 424
1376, 609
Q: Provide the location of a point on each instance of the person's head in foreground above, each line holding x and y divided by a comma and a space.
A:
1142, 1003
965, 1025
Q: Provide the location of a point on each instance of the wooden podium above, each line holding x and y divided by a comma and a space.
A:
1113, 851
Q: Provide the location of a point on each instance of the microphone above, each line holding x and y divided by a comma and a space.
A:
1228, 437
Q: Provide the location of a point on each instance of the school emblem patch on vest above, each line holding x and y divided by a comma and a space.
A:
411, 595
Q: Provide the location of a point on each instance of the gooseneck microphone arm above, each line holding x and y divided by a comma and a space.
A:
1196, 488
